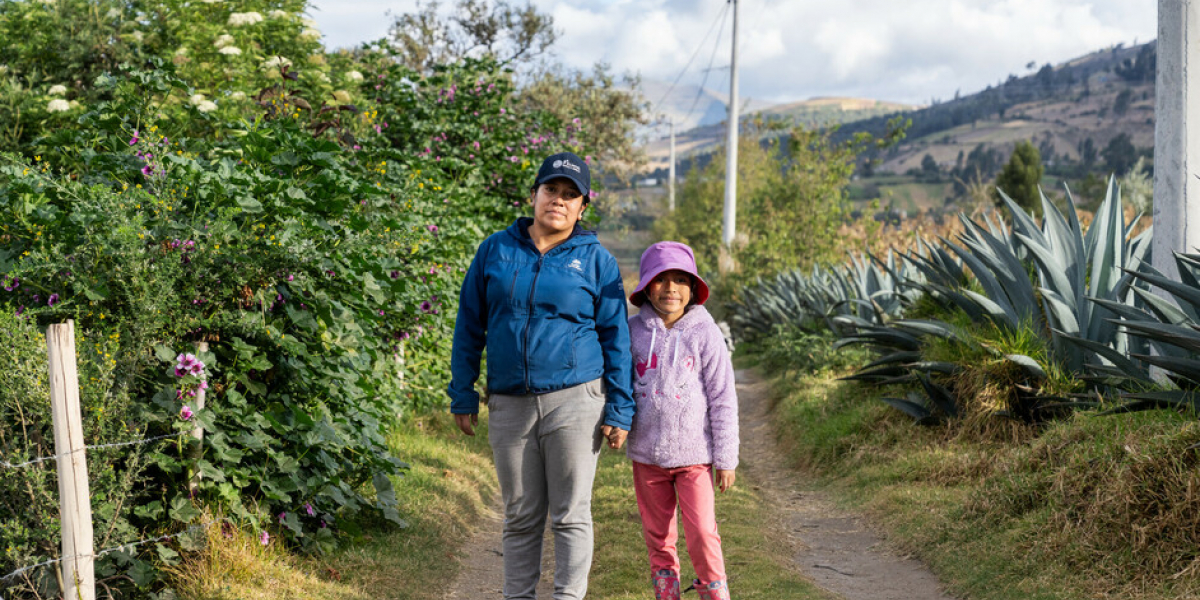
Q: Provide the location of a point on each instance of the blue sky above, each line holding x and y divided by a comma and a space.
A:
897, 50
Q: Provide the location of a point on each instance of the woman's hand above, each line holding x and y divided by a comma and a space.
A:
615, 435
467, 423
724, 479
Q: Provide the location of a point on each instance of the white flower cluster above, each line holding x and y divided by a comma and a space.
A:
223, 40
211, 1
57, 90
137, 36
310, 34
246, 18
276, 62
309, 23
58, 105
49, 2
279, 14
112, 14
238, 95
342, 96
230, 51
354, 76
202, 104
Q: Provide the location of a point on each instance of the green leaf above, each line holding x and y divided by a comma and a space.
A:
249, 205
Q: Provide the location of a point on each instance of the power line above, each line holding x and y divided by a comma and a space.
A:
720, 17
713, 57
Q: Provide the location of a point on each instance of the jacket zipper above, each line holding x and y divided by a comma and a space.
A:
537, 271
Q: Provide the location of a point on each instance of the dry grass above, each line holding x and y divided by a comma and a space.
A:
1086, 507
441, 497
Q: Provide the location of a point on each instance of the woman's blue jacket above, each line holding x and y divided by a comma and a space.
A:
548, 321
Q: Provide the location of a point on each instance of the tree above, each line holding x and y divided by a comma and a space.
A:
1019, 178
1121, 104
930, 170
1120, 154
477, 28
600, 113
1087, 153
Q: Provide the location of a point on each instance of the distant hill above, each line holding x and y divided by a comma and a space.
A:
1097, 96
815, 112
1058, 107
691, 106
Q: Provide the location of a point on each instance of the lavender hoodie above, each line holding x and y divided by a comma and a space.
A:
683, 384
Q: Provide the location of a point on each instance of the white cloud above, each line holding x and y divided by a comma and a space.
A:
908, 51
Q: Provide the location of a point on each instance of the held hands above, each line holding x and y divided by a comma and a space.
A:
724, 479
467, 423
614, 435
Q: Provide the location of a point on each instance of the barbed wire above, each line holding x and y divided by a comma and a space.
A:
8, 465
129, 546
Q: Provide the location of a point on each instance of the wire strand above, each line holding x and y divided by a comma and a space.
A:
8, 465
712, 58
719, 17
131, 545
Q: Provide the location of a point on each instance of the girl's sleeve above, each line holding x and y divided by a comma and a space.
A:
470, 338
721, 391
612, 327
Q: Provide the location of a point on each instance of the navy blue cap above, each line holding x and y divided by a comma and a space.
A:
568, 165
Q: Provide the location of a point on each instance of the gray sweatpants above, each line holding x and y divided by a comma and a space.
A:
546, 447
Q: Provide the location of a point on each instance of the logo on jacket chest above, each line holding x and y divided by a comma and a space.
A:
575, 264
687, 364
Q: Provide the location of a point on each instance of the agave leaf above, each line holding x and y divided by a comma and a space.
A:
1127, 367
1164, 309
877, 373
1030, 366
1180, 336
941, 397
1168, 399
1189, 297
991, 286
905, 356
994, 311
947, 368
1187, 368
914, 408
932, 327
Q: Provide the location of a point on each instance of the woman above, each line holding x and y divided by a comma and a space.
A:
547, 302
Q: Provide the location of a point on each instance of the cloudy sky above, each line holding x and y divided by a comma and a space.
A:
897, 50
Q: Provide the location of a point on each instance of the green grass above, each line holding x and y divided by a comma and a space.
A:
1086, 507
749, 538
447, 489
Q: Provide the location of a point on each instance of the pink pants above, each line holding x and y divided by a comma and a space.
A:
657, 491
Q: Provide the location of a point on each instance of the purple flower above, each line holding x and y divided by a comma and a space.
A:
264, 538
592, 194
291, 277
53, 299
404, 335
575, 120
203, 384
148, 170
134, 139
502, 111
395, 274
381, 313
426, 306
309, 509
185, 413
282, 516
432, 228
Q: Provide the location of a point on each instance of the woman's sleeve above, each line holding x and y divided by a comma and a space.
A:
470, 337
721, 390
612, 326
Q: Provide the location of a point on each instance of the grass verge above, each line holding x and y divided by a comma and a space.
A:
448, 487
750, 538
1086, 507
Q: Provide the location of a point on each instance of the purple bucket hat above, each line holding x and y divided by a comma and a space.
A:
666, 256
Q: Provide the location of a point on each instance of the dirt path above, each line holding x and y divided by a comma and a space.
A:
834, 548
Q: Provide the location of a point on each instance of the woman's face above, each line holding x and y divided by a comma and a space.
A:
557, 206
670, 293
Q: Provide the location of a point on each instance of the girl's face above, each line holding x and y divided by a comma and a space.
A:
670, 293
557, 206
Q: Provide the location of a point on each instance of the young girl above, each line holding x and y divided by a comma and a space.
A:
685, 429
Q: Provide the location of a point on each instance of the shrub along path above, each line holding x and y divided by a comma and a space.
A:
834, 549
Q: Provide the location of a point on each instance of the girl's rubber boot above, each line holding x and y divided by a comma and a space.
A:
666, 584
716, 590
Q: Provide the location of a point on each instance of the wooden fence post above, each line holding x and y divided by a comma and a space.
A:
198, 432
75, 503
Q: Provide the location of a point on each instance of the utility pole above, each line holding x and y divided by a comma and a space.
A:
671, 172
729, 231
1176, 133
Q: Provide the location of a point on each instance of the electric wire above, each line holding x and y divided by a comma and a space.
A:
720, 17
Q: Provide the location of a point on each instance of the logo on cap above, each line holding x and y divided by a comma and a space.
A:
566, 164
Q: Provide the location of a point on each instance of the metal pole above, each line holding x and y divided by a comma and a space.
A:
730, 223
671, 173
1176, 134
